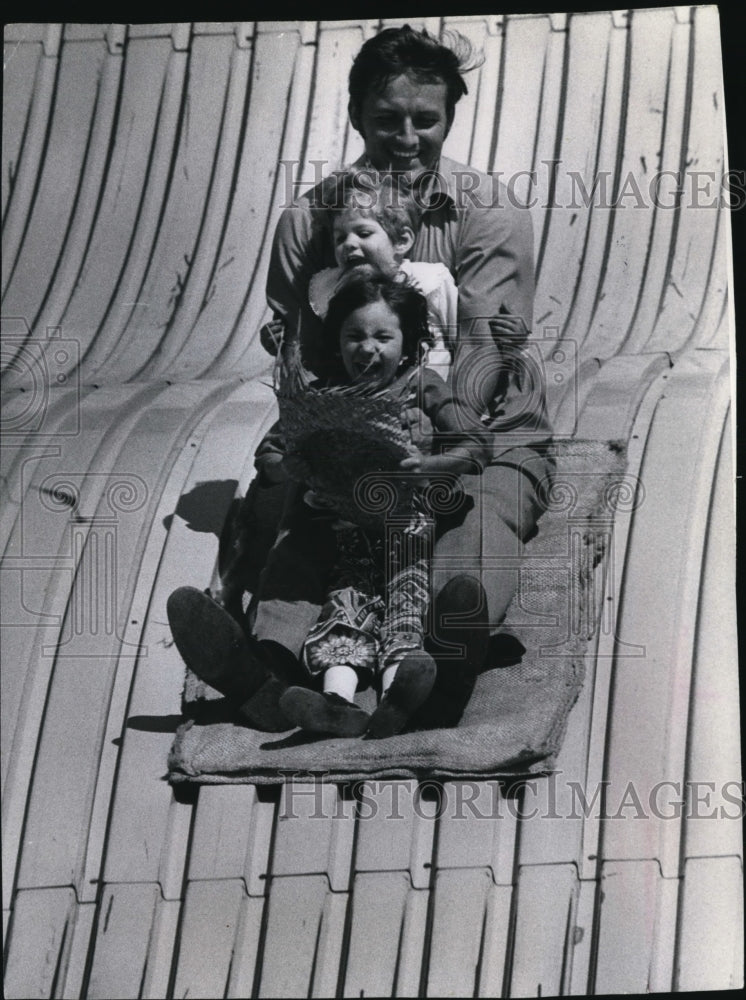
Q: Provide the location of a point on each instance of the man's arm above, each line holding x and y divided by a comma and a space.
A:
297, 254
495, 277
495, 261
462, 444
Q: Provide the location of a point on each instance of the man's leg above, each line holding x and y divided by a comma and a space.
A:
253, 670
291, 590
296, 578
476, 567
249, 532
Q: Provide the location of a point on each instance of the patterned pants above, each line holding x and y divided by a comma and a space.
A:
334, 594
378, 600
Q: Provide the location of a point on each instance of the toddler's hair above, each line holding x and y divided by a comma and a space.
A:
384, 197
362, 287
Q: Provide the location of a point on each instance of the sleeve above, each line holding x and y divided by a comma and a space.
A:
321, 289
455, 424
495, 261
442, 304
495, 278
297, 253
271, 448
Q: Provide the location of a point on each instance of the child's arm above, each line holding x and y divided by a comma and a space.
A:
463, 446
269, 458
274, 463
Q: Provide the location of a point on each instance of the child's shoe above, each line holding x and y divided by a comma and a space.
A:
411, 685
327, 713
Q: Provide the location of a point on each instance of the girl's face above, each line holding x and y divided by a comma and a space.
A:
360, 239
371, 342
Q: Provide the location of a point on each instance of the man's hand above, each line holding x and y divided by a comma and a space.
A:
455, 462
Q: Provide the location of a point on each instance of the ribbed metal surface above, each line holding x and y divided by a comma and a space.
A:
142, 178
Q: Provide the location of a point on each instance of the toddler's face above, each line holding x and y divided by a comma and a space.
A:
360, 239
371, 342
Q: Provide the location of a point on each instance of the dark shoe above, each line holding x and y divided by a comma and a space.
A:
323, 713
410, 687
463, 596
262, 709
213, 645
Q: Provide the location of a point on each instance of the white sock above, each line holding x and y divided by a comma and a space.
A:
387, 677
341, 680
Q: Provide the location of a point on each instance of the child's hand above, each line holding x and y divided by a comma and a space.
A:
273, 468
271, 336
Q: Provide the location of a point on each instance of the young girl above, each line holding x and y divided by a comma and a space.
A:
372, 335
374, 601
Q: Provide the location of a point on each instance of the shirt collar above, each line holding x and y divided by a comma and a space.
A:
438, 186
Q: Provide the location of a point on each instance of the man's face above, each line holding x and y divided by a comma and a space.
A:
404, 125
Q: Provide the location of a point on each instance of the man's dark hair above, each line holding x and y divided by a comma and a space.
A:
395, 51
364, 286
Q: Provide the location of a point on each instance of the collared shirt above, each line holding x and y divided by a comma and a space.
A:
469, 224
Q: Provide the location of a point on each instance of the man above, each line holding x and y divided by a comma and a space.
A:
403, 88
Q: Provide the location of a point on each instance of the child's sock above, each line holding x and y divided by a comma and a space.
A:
387, 677
341, 680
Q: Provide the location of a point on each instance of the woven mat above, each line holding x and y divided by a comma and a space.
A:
516, 719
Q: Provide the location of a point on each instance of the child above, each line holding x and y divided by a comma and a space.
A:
373, 332
372, 336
